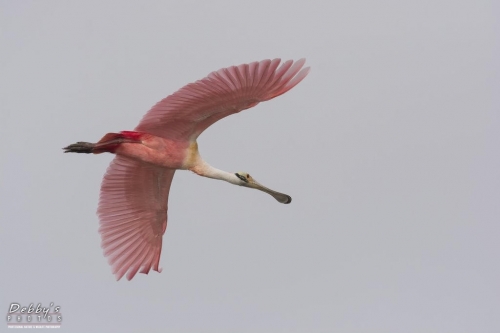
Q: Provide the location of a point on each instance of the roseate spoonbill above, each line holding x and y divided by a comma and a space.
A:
134, 192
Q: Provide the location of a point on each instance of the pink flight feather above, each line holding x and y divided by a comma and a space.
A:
133, 215
185, 114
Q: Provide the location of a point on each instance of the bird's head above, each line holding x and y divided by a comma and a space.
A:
244, 179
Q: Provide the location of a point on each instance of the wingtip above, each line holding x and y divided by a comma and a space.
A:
301, 61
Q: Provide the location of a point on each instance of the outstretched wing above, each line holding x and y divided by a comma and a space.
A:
133, 215
185, 114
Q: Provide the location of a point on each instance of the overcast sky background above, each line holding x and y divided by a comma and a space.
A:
389, 148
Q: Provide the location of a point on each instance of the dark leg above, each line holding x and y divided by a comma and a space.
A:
108, 144
80, 147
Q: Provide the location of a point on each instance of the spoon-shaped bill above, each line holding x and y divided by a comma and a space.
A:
281, 197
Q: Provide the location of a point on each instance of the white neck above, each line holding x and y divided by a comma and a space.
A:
204, 169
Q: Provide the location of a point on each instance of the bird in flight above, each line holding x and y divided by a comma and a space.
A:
134, 192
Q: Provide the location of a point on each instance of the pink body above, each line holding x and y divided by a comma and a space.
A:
158, 151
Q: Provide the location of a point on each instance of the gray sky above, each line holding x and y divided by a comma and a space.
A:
389, 149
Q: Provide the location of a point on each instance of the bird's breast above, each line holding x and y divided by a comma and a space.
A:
192, 156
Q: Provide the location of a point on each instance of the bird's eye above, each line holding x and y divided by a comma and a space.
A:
248, 176
241, 177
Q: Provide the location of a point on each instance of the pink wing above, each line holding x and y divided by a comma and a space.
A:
185, 114
133, 215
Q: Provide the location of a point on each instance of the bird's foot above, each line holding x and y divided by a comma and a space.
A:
80, 147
